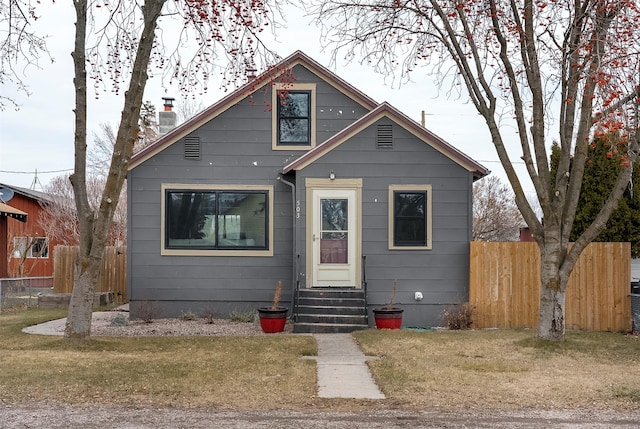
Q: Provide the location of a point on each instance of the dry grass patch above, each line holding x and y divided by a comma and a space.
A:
225, 372
505, 369
418, 370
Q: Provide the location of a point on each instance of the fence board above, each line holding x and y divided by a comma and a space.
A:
505, 286
113, 273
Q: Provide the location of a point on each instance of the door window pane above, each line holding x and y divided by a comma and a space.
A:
334, 234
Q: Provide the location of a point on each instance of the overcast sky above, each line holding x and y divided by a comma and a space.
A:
39, 136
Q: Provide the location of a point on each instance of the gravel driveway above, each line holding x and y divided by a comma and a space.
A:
59, 416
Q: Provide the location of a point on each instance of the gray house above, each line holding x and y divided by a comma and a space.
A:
297, 176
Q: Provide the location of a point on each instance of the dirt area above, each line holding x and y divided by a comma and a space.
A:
102, 325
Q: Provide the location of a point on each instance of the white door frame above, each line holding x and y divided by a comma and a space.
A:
324, 188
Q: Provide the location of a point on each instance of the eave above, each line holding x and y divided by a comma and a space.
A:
388, 111
269, 76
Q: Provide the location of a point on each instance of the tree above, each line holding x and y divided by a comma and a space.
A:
121, 43
18, 45
495, 214
604, 159
60, 220
525, 65
188, 109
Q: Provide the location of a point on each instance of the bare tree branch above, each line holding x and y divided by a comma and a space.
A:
519, 61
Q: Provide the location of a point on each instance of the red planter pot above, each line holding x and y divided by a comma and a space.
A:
388, 318
272, 321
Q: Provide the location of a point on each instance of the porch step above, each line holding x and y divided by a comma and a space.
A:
330, 310
330, 316
326, 328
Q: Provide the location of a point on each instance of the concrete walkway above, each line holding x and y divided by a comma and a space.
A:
56, 327
342, 369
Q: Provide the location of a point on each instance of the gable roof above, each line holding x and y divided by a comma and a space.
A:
388, 111
297, 58
30, 193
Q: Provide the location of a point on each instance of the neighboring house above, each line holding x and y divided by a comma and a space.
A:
326, 189
25, 249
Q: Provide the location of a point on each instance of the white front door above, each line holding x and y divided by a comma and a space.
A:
334, 238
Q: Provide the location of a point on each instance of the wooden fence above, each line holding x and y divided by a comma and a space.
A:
505, 286
113, 274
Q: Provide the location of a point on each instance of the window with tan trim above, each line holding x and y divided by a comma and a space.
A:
410, 217
217, 220
293, 121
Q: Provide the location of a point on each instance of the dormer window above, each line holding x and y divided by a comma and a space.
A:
293, 116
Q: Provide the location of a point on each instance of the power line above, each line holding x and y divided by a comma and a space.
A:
36, 171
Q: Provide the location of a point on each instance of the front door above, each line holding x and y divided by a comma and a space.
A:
334, 238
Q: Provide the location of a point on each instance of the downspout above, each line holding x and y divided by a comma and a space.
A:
294, 248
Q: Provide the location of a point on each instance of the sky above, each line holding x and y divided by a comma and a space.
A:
36, 140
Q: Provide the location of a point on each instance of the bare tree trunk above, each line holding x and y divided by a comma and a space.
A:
555, 268
551, 317
94, 228
78, 327
78, 324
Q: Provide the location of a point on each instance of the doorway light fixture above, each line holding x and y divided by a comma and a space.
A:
332, 175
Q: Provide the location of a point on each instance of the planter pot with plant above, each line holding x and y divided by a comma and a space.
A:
389, 317
273, 319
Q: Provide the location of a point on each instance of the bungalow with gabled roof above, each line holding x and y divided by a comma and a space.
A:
299, 177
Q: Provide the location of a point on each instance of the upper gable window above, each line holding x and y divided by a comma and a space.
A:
293, 116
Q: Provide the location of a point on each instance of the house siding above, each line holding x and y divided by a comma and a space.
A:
442, 273
235, 149
32, 267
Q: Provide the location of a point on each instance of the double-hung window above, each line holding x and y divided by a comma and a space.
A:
294, 119
410, 217
293, 116
216, 220
30, 247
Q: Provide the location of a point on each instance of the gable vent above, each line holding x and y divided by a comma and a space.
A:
192, 148
384, 137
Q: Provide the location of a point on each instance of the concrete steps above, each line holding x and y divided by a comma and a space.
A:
330, 310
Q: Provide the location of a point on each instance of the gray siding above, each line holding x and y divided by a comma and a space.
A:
235, 149
441, 274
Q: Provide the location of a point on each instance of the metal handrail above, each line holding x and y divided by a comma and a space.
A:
296, 297
364, 284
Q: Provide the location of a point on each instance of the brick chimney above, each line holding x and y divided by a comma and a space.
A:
167, 119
